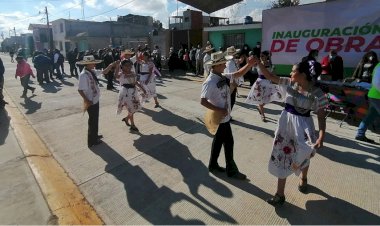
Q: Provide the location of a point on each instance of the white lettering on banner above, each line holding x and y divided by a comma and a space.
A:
350, 27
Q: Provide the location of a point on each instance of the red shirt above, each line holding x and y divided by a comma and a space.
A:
23, 69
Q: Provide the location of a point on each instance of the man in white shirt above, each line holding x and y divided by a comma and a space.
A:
88, 88
207, 52
231, 67
216, 96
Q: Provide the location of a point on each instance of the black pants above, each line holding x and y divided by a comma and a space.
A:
93, 124
223, 137
110, 80
73, 70
43, 74
233, 97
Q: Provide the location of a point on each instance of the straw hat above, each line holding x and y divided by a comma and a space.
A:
232, 51
218, 58
208, 49
212, 120
128, 52
90, 59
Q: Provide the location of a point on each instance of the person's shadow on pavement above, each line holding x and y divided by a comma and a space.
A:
350, 158
151, 202
4, 125
330, 211
168, 118
195, 174
30, 105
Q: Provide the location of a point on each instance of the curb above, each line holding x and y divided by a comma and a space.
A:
65, 200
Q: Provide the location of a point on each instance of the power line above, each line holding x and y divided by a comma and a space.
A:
111, 9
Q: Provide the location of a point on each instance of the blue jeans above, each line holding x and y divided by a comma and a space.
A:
372, 114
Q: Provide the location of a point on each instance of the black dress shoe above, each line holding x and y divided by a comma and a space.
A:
95, 143
276, 200
216, 169
237, 175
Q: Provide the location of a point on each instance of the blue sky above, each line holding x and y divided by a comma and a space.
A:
19, 14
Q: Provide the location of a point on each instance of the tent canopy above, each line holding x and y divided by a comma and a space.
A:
210, 5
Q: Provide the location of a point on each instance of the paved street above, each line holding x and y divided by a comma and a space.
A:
160, 175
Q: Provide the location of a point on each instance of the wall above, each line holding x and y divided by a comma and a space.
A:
251, 36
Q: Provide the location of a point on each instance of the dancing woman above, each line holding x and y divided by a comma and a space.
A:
129, 96
295, 139
147, 78
263, 90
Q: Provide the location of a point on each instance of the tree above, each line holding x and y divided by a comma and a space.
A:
284, 3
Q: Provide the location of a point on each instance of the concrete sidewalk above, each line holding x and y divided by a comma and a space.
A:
21, 201
160, 175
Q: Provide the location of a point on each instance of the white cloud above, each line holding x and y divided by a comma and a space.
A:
76, 4
93, 4
18, 20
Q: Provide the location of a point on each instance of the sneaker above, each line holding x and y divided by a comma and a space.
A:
365, 139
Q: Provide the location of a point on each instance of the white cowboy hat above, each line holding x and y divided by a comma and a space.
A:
232, 51
218, 58
208, 49
128, 52
90, 59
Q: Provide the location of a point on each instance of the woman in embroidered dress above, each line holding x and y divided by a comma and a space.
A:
295, 139
147, 79
129, 96
263, 90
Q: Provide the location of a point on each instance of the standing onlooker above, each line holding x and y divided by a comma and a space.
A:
2, 70
56, 64
192, 54
363, 72
198, 61
332, 67
257, 50
157, 57
108, 59
61, 61
11, 54
24, 71
72, 59
173, 59
42, 64
207, 57
88, 88
374, 106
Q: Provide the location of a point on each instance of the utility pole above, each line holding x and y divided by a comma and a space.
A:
82, 10
14, 30
50, 38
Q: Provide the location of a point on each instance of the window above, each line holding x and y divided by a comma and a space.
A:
236, 40
61, 27
187, 19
